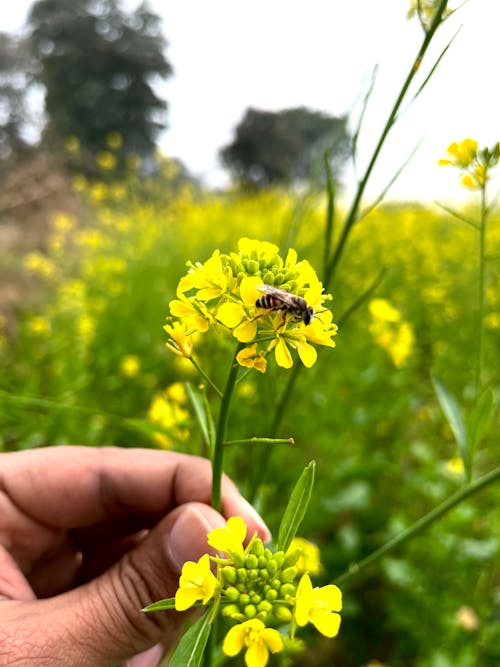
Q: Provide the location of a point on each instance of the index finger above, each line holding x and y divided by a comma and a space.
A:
73, 487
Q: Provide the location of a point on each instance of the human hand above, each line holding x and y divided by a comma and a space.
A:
90, 536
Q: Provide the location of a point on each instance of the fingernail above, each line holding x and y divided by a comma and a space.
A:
251, 513
187, 539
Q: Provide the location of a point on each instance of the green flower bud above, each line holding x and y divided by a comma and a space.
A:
264, 606
252, 267
257, 549
287, 589
262, 561
271, 595
241, 275
250, 611
288, 574
279, 557
252, 562
244, 598
268, 553
282, 613
255, 598
268, 278
229, 574
242, 586
242, 574
262, 263
229, 610
239, 560
272, 566
253, 575
231, 593
263, 573
276, 583
291, 558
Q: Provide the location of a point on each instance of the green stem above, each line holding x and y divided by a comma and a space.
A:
205, 376
353, 212
481, 296
262, 456
420, 525
221, 432
263, 441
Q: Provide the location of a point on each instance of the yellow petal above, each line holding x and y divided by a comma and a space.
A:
233, 641
246, 331
257, 655
230, 314
272, 639
282, 355
248, 290
307, 354
326, 622
185, 598
332, 596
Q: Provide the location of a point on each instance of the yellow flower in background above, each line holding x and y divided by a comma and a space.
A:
197, 582
455, 467
390, 331
319, 606
39, 264
114, 140
309, 559
473, 163
106, 160
426, 11
223, 293
130, 365
258, 640
39, 325
168, 410
72, 144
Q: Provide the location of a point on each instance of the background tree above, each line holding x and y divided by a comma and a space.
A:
16, 70
98, 64
284, 146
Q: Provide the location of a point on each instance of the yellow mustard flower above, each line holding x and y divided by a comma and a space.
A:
309, 559
39, 325
130, 365
320, 606
271, 303
250, 358
106, 160
114, 140
230, 538
257, 639
72, 144
197, 582
40, 264
473, 163
180, 341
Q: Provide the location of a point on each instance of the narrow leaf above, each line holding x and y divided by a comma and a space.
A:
161, 605
454, 417
203, 415
296, 508
190, 649
480, 418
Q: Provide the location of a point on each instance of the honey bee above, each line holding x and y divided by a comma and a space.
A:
278, 299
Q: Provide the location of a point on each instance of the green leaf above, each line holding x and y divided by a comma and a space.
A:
296, 508
480, 418
204, 415
161, 605
454, 416
190, 649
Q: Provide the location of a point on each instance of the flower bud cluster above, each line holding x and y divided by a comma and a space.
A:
259, 584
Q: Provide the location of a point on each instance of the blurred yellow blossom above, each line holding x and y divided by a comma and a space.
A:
130, 365
39, 325
390, 331
309, 559
106, 160
473, 163
114, 140
72, 144
467, 619
39, 264
168, 410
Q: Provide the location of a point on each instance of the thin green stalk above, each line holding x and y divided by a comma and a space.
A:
220, 437
205, 376
262, 456
481, 296
420, 525
262, 441
353, 212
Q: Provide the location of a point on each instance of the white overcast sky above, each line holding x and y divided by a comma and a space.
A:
273, 54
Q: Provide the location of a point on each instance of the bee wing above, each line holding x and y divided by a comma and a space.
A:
282, 295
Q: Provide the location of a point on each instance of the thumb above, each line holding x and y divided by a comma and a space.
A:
100, 624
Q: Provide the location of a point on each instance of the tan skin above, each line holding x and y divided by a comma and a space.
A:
88, 537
